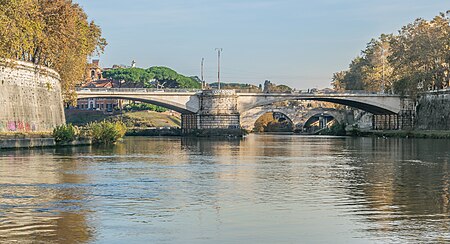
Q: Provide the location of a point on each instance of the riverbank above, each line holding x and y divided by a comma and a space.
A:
217, 133
432, 134
154, 132
21, 143
44, 139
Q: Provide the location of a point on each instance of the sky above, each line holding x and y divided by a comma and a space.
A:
293, 42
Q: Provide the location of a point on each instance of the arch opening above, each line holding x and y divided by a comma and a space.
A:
321, 123
273, 122
373, 108
165, 104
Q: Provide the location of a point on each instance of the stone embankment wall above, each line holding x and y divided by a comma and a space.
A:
30, 97
433, 111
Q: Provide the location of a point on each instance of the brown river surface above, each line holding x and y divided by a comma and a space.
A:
262, 189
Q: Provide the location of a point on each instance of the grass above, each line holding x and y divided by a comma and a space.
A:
151, 119
140, 119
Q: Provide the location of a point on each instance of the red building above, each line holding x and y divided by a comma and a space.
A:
94, 79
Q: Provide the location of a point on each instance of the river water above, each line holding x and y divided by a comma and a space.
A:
262, 189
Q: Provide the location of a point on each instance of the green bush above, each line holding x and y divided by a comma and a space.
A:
338, 129
65, 133
144, 106
355, 131
106, 132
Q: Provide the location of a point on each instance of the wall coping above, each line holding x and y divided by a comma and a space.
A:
23, 65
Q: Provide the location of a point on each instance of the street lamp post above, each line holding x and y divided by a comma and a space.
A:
383, 84
202, 78
219, 51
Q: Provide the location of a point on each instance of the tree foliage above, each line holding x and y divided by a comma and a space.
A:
268, 123
106, 132
65, 133
144, 107
172, 79
414, 60
273, 88
421, 55
150, 77
134, 75
53, 33
371, 71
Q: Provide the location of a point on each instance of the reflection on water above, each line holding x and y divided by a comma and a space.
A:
263, 189
40, 200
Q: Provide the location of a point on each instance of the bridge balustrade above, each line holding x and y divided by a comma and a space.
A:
131, 90
181, 90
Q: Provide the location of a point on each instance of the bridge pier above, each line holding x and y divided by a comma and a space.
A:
404, 120
385, 122
217, 114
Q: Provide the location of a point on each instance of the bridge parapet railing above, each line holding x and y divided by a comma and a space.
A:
438, 91
181, 90
340, 92
313, 92
136, 90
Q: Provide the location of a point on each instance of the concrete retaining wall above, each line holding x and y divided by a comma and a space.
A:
433, 111
30, 97
39, 142
27, 143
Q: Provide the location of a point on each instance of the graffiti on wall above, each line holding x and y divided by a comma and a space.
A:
18, 126
11, 125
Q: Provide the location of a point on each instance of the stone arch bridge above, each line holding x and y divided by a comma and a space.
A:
222, 109
298, 117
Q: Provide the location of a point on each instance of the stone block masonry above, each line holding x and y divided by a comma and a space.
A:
218, 111
30, 98
433, 111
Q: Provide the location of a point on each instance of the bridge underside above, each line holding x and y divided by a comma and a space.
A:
373, 109
178, 107
371, 104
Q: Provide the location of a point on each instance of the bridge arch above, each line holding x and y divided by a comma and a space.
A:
297, 116
172, 104
328, 118
373, 103
338, 115
249, 118
284, 122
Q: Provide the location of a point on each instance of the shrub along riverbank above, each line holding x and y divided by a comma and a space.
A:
104, 132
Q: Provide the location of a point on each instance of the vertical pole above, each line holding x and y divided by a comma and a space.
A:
382, 76
374, 125
203, 81
219, 50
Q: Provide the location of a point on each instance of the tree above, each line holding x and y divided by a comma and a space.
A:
54, 33
20, 25
378, 72
421, 55
133, 75
338, 81
270, 87
162, 75
172, 79
416, 59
